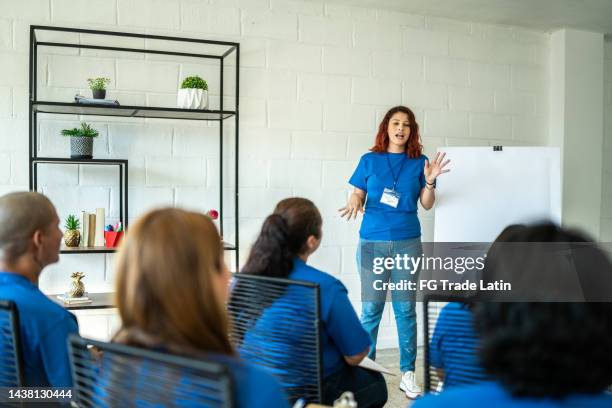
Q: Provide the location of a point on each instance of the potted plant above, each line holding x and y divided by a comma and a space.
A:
98, 87
193, 93
81, 141
72, 235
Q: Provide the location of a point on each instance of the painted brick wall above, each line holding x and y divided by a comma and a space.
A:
315, 80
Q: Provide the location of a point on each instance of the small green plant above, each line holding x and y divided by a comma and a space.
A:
98, 83
72, 223
194, 82
84, 131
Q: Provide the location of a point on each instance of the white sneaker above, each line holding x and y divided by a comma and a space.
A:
409, 385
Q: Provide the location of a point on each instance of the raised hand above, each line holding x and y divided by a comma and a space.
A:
436, 167
353, 207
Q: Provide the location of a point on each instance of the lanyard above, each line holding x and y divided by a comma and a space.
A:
393, 173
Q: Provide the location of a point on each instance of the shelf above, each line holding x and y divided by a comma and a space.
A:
71, 108
77, 161
98, 301
107, 250
227, 56
87, 250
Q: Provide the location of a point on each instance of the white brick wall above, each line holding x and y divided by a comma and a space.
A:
158, 14
270, 24
315, 80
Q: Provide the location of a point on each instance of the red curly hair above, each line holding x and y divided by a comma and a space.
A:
414, 148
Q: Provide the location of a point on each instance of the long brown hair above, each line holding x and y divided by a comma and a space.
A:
283, 237
414, 149
164, 286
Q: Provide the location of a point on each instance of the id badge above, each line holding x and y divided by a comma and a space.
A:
390, 197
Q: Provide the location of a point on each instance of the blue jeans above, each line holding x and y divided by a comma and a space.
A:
373, 303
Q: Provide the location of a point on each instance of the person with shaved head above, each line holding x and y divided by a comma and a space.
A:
30, 240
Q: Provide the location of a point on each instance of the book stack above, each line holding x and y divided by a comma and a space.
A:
74, 300
92, 228
90, 101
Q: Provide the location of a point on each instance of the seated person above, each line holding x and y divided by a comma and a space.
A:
540, 354
454, 346
171, 290
287, 238
30, 239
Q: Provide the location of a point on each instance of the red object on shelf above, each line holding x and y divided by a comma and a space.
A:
112, 238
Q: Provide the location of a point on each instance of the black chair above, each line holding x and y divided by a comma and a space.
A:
275, 324
11, 363
456, 339
115, 375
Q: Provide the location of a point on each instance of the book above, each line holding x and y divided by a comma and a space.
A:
73, 300
91, 235
370, 364
99, 230
91, 101
84, 230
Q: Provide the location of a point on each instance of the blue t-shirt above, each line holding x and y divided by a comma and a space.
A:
45, 327
381, 222
341, 332
491, 394
253, 387
454, 345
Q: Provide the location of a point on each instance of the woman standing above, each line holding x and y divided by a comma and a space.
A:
388, 181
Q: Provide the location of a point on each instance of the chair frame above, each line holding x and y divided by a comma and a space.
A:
75, 341
318, 322
429, 298
11, 307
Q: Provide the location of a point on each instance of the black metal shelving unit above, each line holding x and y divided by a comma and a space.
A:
70, 108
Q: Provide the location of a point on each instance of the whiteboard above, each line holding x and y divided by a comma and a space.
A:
487, 190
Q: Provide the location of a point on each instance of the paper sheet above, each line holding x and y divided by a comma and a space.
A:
374, 366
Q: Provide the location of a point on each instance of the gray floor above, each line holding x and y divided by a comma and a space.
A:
390, 359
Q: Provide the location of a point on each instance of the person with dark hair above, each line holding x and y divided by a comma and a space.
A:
171, 294
388, 182
540, 353
30, 240
288, 237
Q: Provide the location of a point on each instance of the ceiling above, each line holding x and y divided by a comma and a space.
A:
540, 15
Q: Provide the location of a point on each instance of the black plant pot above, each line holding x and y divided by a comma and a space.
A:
81, 147
99, 93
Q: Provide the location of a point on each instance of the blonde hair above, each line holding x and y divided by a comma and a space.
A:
21, 215
164, 284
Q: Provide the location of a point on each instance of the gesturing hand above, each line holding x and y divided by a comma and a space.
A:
352, 208
436, 168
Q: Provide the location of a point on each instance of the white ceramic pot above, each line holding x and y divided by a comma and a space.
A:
192, 99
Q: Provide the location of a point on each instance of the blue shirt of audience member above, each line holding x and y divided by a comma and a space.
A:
454, 344
253, 387
44, 328
381, 222
341, 332
491, 394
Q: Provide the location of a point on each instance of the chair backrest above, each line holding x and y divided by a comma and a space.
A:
115, 375
450, 338
275, 324
11, 363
